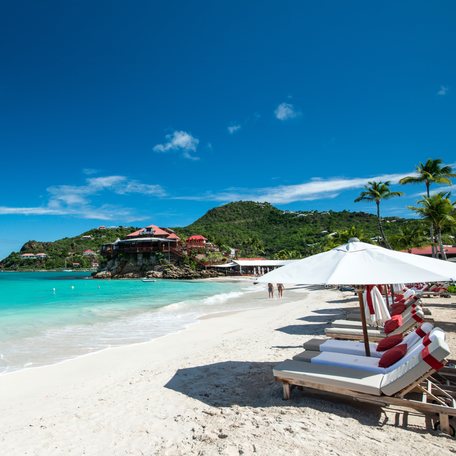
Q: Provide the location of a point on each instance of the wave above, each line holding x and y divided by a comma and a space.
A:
222, 297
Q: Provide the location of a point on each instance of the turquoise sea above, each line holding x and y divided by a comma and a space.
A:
47, 317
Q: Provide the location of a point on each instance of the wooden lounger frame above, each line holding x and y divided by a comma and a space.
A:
432, 399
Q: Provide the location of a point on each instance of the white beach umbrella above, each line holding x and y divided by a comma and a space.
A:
359, 263
378, 312
362, 264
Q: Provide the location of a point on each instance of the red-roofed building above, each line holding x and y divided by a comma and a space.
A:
151, 239
427, 251
196, 242
89, 252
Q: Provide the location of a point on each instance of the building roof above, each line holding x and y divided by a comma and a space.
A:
173, 236
254, 262
145, 239
253, 258
196, 237
261, 262
28, 254
428, 250
157, 231
89, 251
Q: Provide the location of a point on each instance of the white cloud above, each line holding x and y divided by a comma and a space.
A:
179, 141
233, 128
286, 111
443, 90
77, 200
315, 189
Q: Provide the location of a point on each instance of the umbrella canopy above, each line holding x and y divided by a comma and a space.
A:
359, 263
362, 264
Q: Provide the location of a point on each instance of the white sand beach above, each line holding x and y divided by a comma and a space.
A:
208, 390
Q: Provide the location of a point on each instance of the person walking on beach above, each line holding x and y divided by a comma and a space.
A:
271, 290
280, 289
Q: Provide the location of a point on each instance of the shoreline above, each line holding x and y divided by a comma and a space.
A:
205, 390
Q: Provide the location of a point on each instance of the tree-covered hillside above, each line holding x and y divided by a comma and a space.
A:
260, 228
252, 228
64, 252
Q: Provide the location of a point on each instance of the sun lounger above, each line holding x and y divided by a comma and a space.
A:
367, 363
352, 347
405, 315
374, 334
408, 385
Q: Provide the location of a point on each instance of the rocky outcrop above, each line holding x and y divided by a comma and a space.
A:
138, 266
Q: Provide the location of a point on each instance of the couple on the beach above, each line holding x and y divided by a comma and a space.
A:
280, 289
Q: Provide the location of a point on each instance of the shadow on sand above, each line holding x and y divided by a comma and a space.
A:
304, 330
343, 301
251, 384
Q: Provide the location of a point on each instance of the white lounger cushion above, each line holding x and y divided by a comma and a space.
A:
352, 379
352, 347
358, 324
363, 362
406, 324
348, 347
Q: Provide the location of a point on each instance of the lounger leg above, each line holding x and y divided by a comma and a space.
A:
286, 391
444, 423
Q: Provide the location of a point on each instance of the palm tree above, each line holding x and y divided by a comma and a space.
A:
440, 212
431, 172
378, 191
409, 236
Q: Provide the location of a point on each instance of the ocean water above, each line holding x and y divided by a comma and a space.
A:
47, 317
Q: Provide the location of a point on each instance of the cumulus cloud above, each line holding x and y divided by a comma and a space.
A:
233, 128
443, 90
77, 200
285, 111
315, 189
179, 141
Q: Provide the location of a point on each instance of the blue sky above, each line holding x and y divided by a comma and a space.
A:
116, 112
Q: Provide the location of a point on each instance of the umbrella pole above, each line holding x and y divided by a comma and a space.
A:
363, 321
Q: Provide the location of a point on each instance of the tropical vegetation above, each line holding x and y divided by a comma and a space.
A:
377, 192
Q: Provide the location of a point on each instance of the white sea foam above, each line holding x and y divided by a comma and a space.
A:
222, 297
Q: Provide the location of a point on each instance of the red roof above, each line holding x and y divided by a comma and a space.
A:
428, 250
196, 237
157, 231
88, 250
173, 236
135, 233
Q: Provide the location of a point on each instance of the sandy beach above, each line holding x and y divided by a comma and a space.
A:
208, 390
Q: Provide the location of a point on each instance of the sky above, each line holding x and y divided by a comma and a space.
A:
132, 113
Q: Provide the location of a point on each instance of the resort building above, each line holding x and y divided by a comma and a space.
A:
251, 266
28, 256
33, 256
196, 241
89, 252
151, 239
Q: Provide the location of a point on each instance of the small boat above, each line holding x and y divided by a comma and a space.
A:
149, 280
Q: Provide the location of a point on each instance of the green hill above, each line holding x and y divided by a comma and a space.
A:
262, 229
252, 228
67, 250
